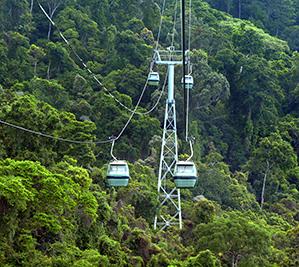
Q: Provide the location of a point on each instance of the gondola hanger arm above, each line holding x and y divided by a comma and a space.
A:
191, 141
112, 147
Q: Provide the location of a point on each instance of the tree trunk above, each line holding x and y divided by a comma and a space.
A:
31, 6
52, 9
48, 70
264, 184
49, 30
235, 260
240, 8
228, 6
35, 66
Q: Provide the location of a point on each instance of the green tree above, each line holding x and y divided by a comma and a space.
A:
36, 54
50, 92
18, 67
43, 214
15, 16
151, 15
203, 259
217, 183
235, 238
28, 112
269, 164
52, 7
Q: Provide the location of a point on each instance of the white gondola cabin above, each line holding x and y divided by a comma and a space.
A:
118, 173
153, 78
185, 174
188, 82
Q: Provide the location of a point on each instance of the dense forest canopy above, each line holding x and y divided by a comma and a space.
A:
54, 204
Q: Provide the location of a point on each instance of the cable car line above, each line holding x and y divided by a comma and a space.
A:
160, 25
185, 173
118, 173
183, 45
187, 79
189, 36
109, 140
189, 73
159, 34
52, 136
174, 23
93, 75
159, 98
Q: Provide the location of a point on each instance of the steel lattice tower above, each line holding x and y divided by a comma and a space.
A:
169, 211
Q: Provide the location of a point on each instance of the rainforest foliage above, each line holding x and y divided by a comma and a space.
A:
55, 209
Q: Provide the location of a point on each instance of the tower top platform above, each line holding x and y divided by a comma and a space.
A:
170, 56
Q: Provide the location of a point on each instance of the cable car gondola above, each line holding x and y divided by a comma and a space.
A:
118, 173
185, 174
188, 82
153, 78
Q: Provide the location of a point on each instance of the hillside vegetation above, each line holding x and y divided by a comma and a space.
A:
55, 208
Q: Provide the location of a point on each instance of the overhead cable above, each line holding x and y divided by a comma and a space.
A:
183, 46
189, 71
160, 25
88, 69
189, 35
174, 23
109, 140
52, 136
